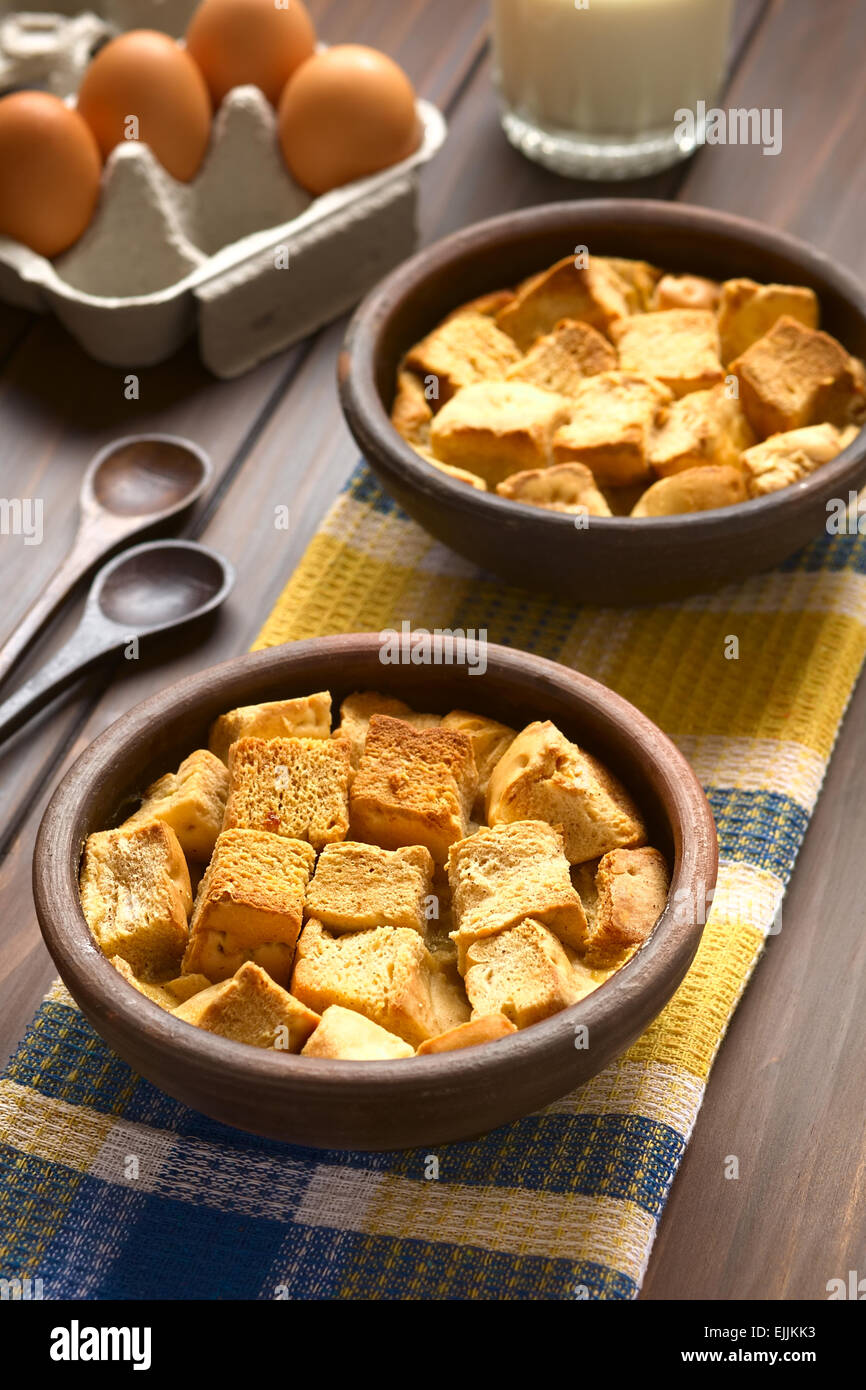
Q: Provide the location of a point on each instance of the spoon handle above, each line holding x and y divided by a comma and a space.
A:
85, 646
90, 543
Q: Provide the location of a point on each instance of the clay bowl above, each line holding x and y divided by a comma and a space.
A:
617, 560
374, 1105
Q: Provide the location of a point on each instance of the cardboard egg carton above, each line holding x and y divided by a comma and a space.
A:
242, 254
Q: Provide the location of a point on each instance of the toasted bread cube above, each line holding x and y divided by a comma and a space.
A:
795, 376
748, 310
594, 294
136, 897
545, 777
497, 428
251, 896
685, 292
564, 487
385, 973
561, 360
693, 490
357, 710
155, 992
350, 1037
631, 892
192, 801
297, 787
703, 427
679, 347
788, 458
306, 716
251, 1008
358, 885
219, 955
411, 412
413, 787
613, 418
489, 741
638, 279
522, 972
487, 304
502, 874
486, 1028
461, 475
466, 349
167, 995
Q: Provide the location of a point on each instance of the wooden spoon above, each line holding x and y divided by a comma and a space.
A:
131, 486
152, 588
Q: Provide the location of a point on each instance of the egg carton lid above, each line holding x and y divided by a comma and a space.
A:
153, 242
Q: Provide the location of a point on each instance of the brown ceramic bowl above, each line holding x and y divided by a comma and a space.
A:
614, 560
374, 1105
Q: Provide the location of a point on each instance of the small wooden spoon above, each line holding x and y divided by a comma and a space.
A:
131, 486
152, 588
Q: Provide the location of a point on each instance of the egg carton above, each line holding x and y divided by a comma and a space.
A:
243, 255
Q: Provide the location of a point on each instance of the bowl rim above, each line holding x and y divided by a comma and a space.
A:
91, 978
363, 406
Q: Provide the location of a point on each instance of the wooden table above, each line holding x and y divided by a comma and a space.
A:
786, 1094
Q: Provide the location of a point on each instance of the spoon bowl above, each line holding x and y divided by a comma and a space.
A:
159, 585
146, 477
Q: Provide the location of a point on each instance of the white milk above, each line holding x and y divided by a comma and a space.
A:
616, 70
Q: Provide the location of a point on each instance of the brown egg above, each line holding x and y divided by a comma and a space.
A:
147, 76
347, 112
250, 41
50, 170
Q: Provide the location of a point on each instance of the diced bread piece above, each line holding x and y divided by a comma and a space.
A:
703, 427
358, 885
296, 787
461, 475
385, 973
561, 360
305, 716
347, 1036
167, 995
413, 786
522, 972
638, 279
251, 896
192, 801
686, 292
613, 417
748, 310
489, 741
632, 890
487, 304
679, 347
788, 458
564, 487
136, 897
693, 490
497, 428
795, 376
465, 349
411, 412
251, 1008
594, 293
545, 777
486, 1028
357, 710
505, 873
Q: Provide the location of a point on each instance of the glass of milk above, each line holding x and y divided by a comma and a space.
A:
598, 88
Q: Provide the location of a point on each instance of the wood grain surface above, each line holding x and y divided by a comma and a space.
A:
786, 1094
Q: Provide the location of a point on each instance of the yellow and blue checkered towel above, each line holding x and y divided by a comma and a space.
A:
111, 1190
